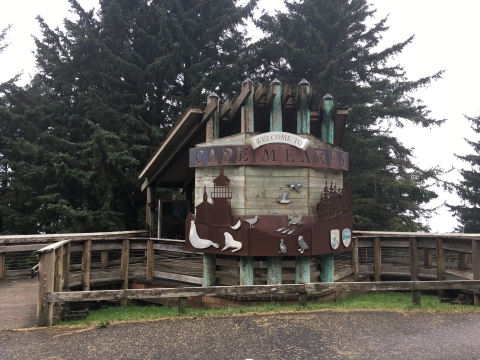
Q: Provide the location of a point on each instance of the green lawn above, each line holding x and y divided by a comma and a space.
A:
373, 301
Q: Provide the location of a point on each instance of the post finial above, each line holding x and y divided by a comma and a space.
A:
304, 83
275, 82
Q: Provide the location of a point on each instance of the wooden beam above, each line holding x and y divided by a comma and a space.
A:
303, 112
52, 247
225, 109
49, 238
148, 210
211, 107
287, 97
259, 97
104, 259
413, 259
247, 113
125, 258
159, 293
246, 270
18, 248
66, 266
440, 258
355, 256
2, 266
150, 259
58, 284
46, 280
326, 268
178, 277
182, 305
377, 259
86, 264
238, 102
476, 269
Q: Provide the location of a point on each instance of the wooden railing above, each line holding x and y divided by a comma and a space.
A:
55, 279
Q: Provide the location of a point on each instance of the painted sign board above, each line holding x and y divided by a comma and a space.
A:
278, 155
278, 137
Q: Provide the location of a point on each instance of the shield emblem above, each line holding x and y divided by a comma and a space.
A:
335, 238
346, 237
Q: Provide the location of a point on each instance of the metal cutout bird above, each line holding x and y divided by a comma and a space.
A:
302, 244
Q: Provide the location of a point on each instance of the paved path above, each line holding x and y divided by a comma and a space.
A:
314, 335
18, 303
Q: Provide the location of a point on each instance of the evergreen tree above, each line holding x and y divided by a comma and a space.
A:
107, 91
468, 214
328, 43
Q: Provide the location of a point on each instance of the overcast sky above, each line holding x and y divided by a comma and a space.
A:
446, 36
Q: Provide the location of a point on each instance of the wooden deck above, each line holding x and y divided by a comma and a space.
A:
18, 299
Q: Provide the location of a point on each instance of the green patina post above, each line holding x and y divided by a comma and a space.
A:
303, 112
247, 121
246, 270
274, 270
276, 110
327, 123
302, 269
209, 264
326, 268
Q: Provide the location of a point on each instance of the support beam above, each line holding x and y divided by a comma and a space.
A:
182, 305
302, 269
414, 269
276, 110
46, 278
440, 259
125, 262
427, 259
246, 270
247, 120
150, 259
148, 210
66, 266
476, 269
58, 287
327, 118
303, 111
462, 262
355, 256
104, 259
2, 266
213, 124
377, 259
86, 264
209, 265
327, 268
274, 270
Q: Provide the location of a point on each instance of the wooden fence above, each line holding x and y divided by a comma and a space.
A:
55, 279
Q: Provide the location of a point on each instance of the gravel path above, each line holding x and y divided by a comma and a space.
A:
302, 335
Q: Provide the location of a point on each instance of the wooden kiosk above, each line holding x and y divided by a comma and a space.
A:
264, 173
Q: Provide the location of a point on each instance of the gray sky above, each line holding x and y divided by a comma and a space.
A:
445, 34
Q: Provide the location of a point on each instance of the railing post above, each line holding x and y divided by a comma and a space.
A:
182, 305
440, 258
377, 259
148, 210
414, 269
302, 269
246, 270
59, 269
150, 259
209, 267
427, 259
86, 264
46, 279
104, 259
355, 256
274, 270
476, 269
66, 267
125, 260
462, 261
2, 266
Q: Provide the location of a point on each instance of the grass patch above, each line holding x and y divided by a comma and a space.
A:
373, 301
